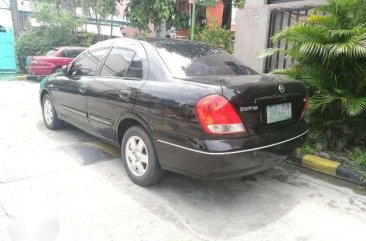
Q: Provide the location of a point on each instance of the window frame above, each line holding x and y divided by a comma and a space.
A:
82, 55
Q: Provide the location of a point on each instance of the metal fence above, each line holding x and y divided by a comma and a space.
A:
279, 20
7, 51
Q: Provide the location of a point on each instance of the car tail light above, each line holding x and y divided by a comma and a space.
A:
218, 116
306, 107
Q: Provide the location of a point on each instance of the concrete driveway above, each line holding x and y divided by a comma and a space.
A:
68, 186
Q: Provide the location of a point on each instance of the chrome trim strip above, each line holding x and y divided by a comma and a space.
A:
232, 152
74, 111
100, 120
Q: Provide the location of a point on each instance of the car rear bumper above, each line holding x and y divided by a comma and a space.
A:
226, 164
39, 70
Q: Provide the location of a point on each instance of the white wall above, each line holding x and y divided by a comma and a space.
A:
4, 3
105, 30
5, 19
252, 24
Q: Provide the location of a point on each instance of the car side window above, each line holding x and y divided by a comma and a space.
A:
64, 53
117, 63
73, 53
135, 70
88, 63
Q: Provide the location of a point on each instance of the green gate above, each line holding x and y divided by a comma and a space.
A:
7, 51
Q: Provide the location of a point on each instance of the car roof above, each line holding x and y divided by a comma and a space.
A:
120, 42
67, 47
167, 41
136, 44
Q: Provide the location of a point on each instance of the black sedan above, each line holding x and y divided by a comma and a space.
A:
178, 105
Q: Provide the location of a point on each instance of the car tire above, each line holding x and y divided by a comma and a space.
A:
139, 157
49, 114
55, 70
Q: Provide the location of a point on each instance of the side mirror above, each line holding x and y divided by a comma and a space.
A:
64, 69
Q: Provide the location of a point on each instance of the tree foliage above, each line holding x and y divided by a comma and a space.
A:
99, 9
329, 51
57, 27
142, 12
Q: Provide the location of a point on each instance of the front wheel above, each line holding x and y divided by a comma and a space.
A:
49, 114
139, 157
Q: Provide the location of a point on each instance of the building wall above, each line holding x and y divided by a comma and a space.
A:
215, 13
252, 25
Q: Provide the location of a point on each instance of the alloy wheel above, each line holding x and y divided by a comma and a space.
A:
136, 155
48, 111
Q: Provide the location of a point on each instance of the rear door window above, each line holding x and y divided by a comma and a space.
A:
64, 53
52, 52
73, 53
135, 71
117, 63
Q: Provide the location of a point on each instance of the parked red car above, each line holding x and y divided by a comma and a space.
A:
52, 61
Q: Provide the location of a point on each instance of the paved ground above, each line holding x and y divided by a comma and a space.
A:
70, 186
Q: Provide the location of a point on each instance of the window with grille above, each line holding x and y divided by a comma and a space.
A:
182, 6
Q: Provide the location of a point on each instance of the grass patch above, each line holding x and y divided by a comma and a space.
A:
358, 155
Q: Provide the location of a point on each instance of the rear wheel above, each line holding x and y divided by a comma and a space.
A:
56, 70
49, 114
139, 157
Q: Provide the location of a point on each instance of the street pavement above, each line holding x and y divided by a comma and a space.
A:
68, 186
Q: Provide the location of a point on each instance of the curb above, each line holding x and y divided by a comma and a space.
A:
327, 167
26, 77
21, 77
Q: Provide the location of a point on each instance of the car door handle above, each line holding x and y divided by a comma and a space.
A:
125, 94
82, 90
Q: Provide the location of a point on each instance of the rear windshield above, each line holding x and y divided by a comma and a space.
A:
187, 59
52, 52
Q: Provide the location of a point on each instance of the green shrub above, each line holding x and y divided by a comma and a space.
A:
197, 31
329, 54
85, 39
216, 36
359, 156
31, 43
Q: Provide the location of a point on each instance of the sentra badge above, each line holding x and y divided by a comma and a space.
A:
248, 108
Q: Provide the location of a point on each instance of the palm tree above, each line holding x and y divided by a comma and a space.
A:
329, 54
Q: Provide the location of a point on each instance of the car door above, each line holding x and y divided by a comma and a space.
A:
70, 90
113, 93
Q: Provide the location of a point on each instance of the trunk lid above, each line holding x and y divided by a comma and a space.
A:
266, 103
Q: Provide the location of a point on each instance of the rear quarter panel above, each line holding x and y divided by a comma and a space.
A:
169, 108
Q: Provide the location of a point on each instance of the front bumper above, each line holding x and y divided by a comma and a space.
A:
209, 164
